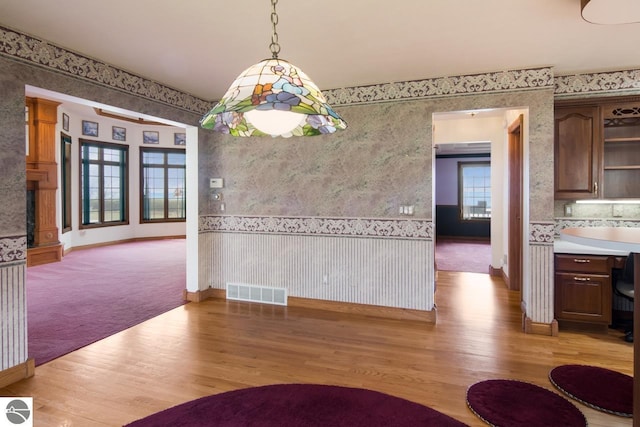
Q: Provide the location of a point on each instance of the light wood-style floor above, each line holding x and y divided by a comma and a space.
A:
216, 346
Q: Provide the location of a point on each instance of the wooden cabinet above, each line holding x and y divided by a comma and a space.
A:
621, 155
577, 152
583, 290
597, 149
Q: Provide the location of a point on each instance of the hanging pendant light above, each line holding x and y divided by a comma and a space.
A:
273, 97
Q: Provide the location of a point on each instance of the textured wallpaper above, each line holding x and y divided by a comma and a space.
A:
367, 170
381, 161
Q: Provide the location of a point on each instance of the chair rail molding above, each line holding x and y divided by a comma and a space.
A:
349, 227
13, 250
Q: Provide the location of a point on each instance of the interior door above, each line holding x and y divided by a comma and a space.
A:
514, 252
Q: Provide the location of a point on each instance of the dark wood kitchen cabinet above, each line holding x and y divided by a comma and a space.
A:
583, 288
597, 148
577, 151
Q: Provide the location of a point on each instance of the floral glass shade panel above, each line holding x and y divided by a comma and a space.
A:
273, 85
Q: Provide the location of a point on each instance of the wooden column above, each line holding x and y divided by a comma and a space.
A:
42, 177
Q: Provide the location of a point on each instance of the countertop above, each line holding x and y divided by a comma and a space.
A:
561, 246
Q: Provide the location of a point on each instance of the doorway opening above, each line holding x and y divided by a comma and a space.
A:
478, 242
81, 123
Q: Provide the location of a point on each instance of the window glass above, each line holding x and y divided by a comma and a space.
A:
163, 183
475, 190
103, 183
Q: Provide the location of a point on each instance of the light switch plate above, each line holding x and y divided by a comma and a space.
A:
216, 183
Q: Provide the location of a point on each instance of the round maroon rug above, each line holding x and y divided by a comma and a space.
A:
510, 403
303, 405
602, 389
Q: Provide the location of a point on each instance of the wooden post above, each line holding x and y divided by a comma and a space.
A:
42, 177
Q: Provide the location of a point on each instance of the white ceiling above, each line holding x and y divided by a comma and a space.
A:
200, 46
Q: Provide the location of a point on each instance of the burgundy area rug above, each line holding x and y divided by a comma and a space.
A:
510, 403
599, 388
94, 293
299, 405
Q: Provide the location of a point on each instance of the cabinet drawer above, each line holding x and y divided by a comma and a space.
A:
583, 263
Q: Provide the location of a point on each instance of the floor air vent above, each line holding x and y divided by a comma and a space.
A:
255, 293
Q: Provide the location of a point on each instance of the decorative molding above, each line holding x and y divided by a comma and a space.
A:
396, 313
17, 373
38, 52
537, 328
316, 226
503, 81
563, 223
34, 51
205, 294
541, 233
137, 120
13, 249
597, 83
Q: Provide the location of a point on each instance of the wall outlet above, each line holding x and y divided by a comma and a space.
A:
616, 211
568, 210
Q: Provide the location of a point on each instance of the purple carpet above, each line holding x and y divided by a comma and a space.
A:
473, 256
602, 389
510, 403
299, 405
94, 293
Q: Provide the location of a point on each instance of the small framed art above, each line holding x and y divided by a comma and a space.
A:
179, 139
150, 137
118, 133
65, 122
89, 128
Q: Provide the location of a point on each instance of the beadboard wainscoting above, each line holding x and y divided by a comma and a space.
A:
539, 311
362, 261
14, 319
13, 314
541, 262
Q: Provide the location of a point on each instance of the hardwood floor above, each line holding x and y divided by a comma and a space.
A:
215, 346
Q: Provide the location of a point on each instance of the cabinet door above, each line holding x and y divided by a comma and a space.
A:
621, 155
577, 151
583, 297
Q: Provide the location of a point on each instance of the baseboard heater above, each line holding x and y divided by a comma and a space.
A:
256, 293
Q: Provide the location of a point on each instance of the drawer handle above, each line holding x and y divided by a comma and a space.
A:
581, 261
581, 279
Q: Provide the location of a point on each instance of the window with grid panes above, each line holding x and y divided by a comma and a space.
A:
474, 190
162, 184
103, 175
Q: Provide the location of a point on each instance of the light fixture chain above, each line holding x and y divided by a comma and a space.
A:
274, 46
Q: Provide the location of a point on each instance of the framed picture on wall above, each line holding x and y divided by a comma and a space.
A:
179, 139
118, 133
89, 128
150, 137
65, 122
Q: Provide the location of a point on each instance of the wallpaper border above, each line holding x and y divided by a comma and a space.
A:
561, 224
13, 249
502, 81
317, 226
38, 52
41, 53
627, 81
541, 233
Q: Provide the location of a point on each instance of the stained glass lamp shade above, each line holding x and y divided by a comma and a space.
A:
273, 98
